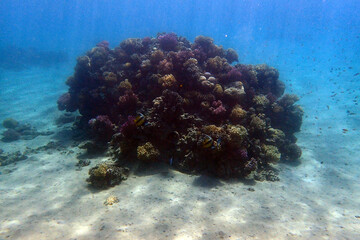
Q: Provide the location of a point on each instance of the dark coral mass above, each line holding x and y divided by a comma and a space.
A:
166, 99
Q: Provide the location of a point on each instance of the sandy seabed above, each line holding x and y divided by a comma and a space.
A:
46, 196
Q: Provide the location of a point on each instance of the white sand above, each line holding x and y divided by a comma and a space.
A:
44, 197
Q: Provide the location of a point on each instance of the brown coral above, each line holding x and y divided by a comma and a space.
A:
257, 123
156, 57
124, 85
213, 131
235, 95
237, 114
217, 65
106, 175
218, 90
168, 82
237, 134
110, 78
271, 153
261, 102
147, 153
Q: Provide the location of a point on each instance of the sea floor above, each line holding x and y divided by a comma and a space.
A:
46, 195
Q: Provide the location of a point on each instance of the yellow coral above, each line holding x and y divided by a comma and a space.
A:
168, 81
190, 62
261, 100
111, 200
147, 152
218, 90
235, 94
253, 77
276, 108
216, 64
213, 130
275, 135
110, 78
156, 57
127, 65
271, 153
100, 171
204, 105
257, 123
125, 85
237, 114
237, 134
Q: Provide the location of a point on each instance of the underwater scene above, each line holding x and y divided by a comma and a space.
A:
233, 119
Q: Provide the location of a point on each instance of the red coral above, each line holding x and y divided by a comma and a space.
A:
168, 41
128, 100
165, 66
234, 75
129, 127
217, 108
102, 126
200, 55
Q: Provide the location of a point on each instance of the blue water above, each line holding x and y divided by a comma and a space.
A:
263, 25
313, 43
304, 40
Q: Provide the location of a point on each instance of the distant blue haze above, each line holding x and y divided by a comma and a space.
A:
76, 25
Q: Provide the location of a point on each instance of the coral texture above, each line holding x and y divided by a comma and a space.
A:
166, 99
106, 175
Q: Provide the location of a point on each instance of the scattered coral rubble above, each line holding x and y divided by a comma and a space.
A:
16, 131
167, 99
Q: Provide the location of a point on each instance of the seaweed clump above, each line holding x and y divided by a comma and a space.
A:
167, 99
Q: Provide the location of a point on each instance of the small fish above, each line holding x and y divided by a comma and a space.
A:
208, 142
356, 74
171, 161
139, 120
350, 113
218, 142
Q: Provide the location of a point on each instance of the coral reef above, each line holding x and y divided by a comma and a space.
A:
168, 41
107, 174
102, 127
166, 99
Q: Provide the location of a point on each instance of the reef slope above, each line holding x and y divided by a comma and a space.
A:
166, 99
